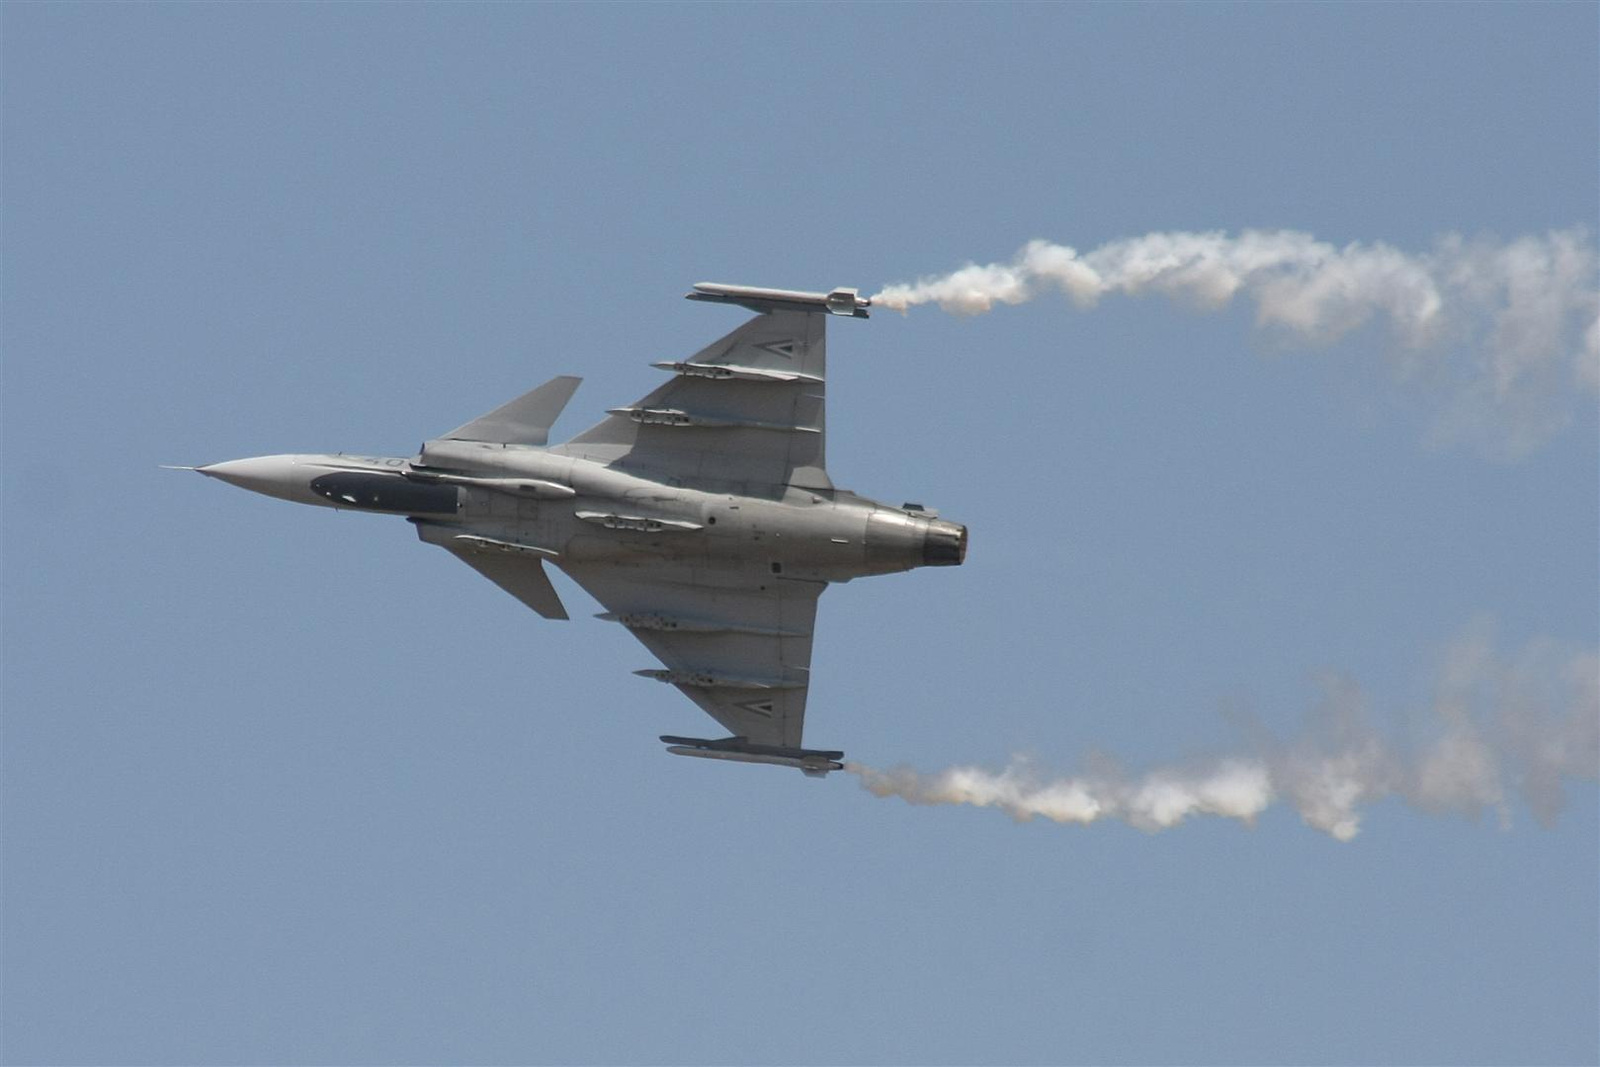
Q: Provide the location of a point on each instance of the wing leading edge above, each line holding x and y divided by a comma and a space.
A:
737, 643
746, 413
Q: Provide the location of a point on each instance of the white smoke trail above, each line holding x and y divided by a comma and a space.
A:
1497, 727
1509, 331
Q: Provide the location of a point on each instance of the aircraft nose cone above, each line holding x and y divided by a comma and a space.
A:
271, 475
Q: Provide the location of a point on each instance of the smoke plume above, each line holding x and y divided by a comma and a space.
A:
1498, 727
1508, 332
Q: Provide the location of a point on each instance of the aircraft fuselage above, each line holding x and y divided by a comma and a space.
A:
569, 509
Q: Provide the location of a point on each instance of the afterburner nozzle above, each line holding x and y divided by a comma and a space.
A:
898, 540
945, 544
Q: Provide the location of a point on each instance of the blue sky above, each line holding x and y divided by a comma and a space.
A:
284, 785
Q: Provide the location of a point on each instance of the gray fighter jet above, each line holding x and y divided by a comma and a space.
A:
702, 516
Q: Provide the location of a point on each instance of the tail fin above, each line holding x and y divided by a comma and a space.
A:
525, 420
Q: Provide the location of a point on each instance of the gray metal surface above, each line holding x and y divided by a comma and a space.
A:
701, 516
757, 429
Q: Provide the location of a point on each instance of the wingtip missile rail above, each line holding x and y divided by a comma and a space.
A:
848, 302
813, 762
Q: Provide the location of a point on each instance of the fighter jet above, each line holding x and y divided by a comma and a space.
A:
701, 517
